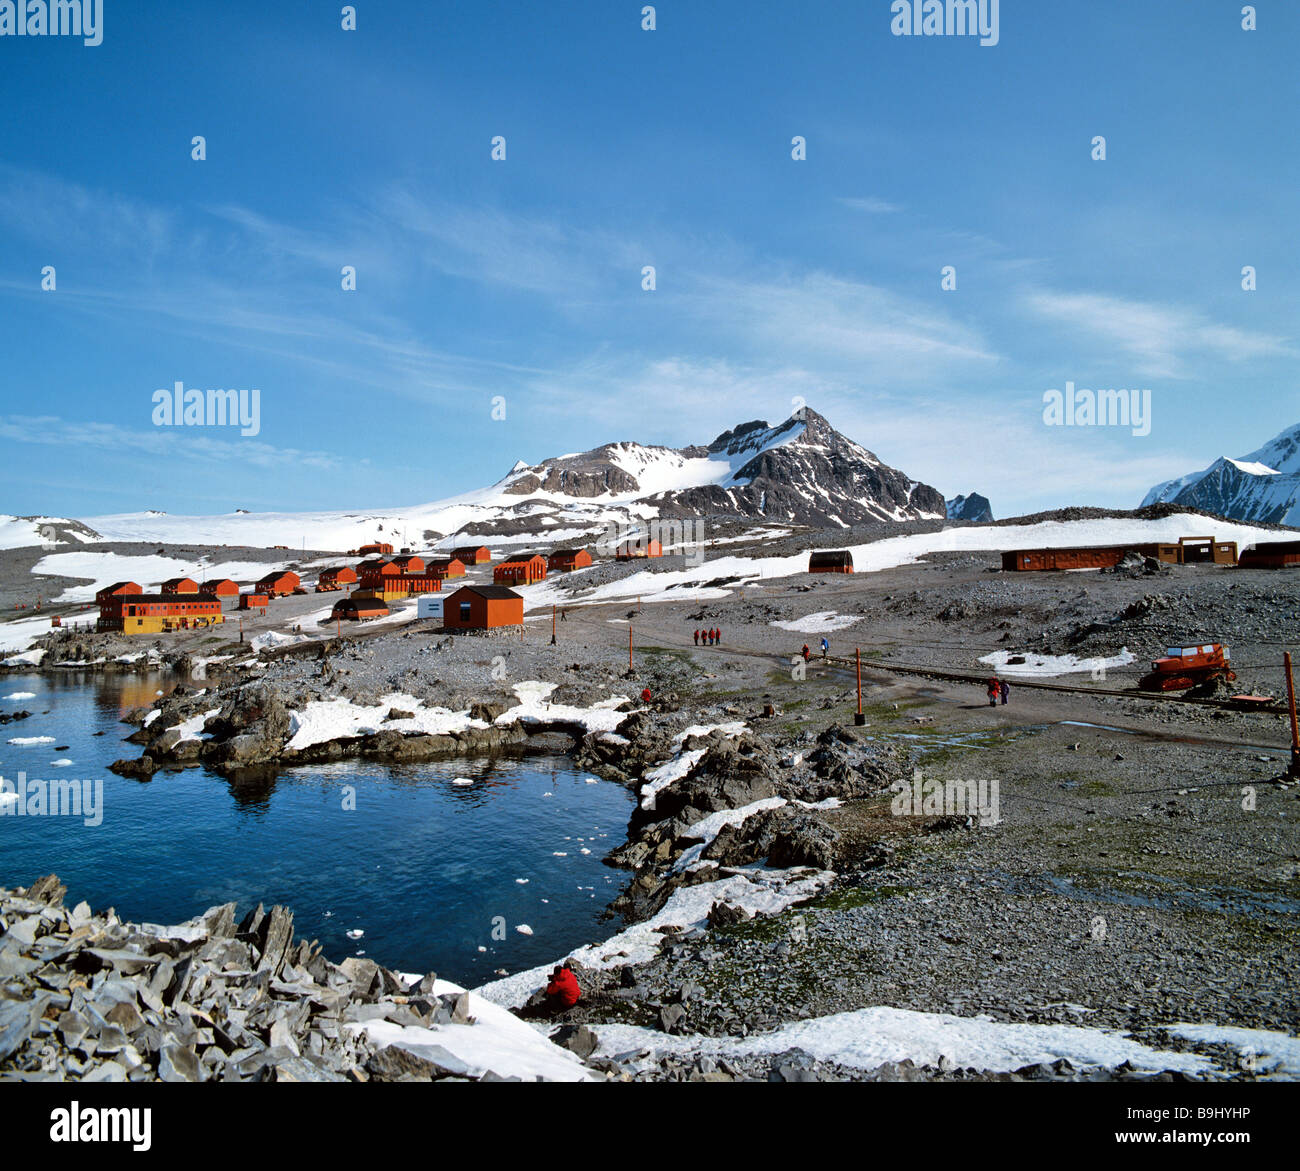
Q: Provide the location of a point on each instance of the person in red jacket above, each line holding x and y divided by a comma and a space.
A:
562, 992
697, 638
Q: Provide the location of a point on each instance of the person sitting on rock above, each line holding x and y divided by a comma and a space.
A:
562, 993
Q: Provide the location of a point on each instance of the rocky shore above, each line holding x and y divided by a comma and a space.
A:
87, 997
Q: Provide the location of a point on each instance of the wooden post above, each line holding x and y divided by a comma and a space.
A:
552, 625
859, 719
1295, 734
629, 648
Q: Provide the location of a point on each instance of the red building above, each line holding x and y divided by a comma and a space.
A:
117, 588
252, 601
830, 561
409, 563
220, 588
522, 570
377, 549
180, 585
1272, 555
473, 554
482, 608
278, 585
567, 560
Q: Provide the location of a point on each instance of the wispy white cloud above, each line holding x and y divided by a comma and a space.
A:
868, 204
1162, 340
164, 442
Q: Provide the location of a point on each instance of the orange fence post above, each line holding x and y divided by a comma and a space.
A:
859, 718
1295, 734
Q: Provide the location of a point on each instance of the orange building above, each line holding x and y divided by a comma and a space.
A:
472, 554
221, 588
180, 585
567, 560
335, 578
631, 550
409, 563
117, 588
158, 613
278, 585
358, 607
448, 567
482, 608
378, 548
252, 601
523, 569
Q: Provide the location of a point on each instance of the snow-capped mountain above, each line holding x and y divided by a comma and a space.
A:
1263, 486
972, 508
801, 471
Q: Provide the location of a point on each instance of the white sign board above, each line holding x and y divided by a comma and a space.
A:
429, 606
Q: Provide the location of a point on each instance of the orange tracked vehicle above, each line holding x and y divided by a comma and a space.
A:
1184, 667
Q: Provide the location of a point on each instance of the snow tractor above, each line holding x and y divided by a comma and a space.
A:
1184, 667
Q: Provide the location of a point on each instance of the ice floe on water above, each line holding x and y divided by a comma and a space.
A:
21, 695
25, 741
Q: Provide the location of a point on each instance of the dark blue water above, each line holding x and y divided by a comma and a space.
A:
425, 868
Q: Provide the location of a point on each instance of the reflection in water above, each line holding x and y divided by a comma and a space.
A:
428, 869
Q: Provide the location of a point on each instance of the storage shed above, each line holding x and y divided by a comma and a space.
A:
631, 550
567, 560
521, 570
1271, 555
180, 585
830, 561
358, 608
335, 578
276, 585
482, 608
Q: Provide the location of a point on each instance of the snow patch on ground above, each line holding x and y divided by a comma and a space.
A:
822, 622
755, 889
497, 1040
1046, 666
1275, 1054
869, 1037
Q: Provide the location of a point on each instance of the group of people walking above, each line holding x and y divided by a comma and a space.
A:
997, 689
708, 637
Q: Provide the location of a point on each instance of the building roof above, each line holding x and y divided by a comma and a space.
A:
567, 552
521, 559
178, 580
502, 593
170, 599
117, 585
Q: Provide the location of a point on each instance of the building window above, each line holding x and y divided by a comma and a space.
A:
465, 611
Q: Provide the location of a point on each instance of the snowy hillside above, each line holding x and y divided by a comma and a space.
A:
800, 471
1262, 486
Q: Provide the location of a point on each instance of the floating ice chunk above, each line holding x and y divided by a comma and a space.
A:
355, 933
523, 929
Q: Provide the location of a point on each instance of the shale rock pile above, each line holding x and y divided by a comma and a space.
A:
88, 997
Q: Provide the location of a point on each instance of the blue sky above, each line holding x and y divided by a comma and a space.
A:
625, 148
